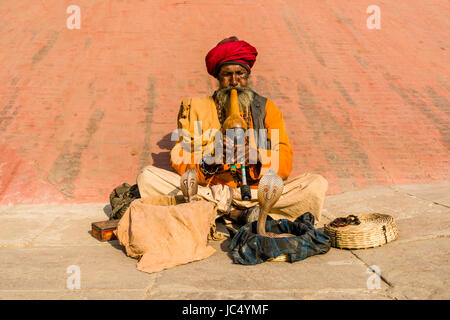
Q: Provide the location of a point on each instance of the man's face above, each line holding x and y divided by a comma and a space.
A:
233, 75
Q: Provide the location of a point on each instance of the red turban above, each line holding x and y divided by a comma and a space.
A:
230, 50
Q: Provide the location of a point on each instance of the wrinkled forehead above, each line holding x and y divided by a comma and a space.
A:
232, 68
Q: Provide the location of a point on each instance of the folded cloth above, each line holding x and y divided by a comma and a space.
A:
162, 232
248, 247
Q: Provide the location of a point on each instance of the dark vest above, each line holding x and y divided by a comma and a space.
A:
258, 110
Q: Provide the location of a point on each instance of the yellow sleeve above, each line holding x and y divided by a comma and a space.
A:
183, 156
280, 156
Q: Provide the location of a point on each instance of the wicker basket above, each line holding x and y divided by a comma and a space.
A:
375, 230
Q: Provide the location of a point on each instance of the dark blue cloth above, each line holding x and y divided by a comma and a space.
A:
248, 247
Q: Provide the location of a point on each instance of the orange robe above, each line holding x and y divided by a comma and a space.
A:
193, 110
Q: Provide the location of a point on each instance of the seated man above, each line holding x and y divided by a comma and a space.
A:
199, 120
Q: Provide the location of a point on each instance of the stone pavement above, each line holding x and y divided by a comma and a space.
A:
39, 242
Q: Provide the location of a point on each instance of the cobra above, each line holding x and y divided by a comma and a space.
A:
189, 185
270, 189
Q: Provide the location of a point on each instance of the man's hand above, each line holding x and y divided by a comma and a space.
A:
233, 156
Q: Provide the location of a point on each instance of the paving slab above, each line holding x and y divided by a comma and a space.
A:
44, 272
114, 294
39, 242
439, 193
416, 270
49, 225
416, 218
101, 267
422, 249
335, 275
15, 233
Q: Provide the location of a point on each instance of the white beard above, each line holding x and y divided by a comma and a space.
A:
245, 98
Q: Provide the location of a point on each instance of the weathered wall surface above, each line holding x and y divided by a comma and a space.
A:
81, 111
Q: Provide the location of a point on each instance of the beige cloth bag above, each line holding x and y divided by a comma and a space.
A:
163, 232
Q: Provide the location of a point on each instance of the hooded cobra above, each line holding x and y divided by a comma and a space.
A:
270, 189
189, 185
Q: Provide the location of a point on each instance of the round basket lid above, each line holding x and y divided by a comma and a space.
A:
374, 230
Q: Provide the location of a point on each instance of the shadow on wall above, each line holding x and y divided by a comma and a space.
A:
162, 159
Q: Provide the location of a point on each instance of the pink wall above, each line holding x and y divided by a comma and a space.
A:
81, 111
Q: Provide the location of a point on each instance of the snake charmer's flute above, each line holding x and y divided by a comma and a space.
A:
235, 122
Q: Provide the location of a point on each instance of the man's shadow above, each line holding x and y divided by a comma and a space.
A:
162, 159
